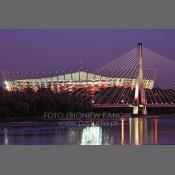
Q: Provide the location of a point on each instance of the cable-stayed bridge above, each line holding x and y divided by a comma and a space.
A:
145, 67
138, 79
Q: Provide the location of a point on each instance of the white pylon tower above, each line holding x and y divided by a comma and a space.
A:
139, 99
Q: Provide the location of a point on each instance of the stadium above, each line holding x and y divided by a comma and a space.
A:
73, 81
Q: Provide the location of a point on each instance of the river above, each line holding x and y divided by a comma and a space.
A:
152, 130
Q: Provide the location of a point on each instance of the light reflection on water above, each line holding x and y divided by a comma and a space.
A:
127, 131
92, 136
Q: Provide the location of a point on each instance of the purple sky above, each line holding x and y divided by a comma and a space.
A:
55, 50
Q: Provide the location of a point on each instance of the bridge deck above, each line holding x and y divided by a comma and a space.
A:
129, 105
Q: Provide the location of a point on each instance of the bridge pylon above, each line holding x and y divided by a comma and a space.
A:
139, 98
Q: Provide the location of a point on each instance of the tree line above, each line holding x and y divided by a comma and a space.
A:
30, 103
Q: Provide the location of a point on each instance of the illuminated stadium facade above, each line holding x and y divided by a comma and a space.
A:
73, 81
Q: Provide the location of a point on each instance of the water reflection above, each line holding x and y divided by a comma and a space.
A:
156, 131
133, 131
138, 131
126, 131
6, 140
123, 131
92, 135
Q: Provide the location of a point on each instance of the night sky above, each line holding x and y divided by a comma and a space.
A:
64, 49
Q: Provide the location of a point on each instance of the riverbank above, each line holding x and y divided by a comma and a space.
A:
33, 121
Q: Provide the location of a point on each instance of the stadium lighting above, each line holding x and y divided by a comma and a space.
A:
7, 85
